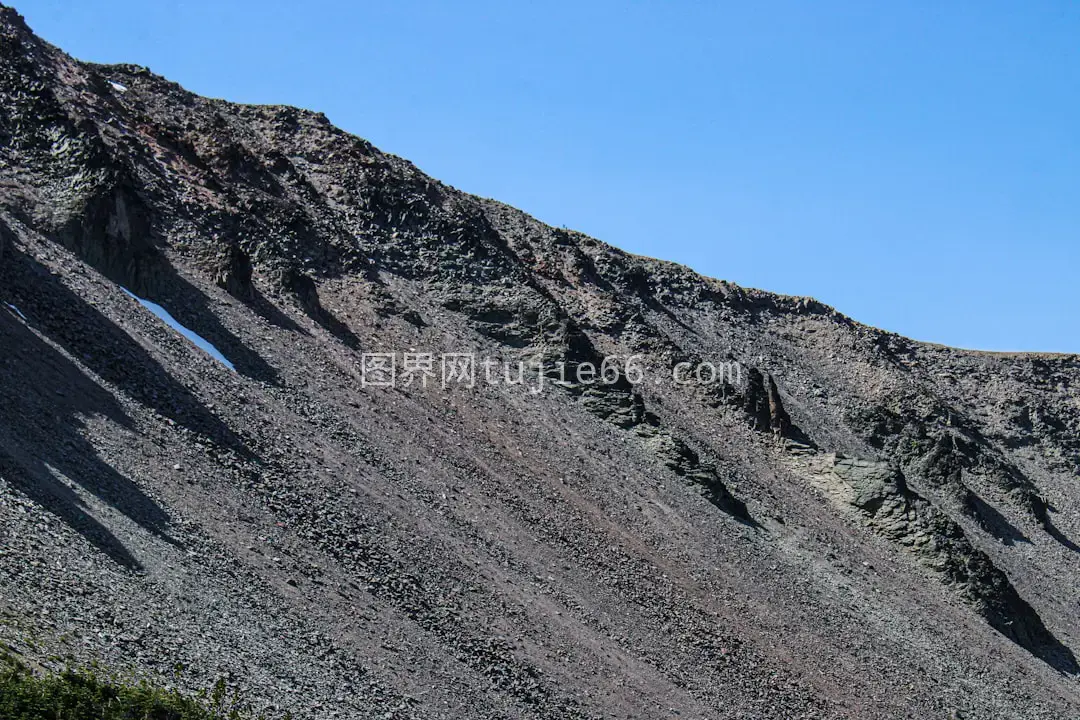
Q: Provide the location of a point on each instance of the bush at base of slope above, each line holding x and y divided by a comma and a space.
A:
82, 695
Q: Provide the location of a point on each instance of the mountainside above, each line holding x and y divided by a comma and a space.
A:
837, 523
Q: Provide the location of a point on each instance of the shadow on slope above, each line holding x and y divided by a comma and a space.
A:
1053, 531
83, 331
991, 520
44, 396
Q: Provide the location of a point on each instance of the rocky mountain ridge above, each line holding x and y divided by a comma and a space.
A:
853, 525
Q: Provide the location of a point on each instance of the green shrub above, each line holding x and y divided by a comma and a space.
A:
82, 695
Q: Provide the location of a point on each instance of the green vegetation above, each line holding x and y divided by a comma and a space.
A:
82, 695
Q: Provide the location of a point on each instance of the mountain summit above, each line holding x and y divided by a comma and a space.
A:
278, 408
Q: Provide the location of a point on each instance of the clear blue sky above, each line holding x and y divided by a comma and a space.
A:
915, 164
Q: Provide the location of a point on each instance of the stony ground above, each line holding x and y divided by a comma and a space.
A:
848, 524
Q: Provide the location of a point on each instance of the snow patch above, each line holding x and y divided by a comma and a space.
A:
118, 87
17, 311
194, 337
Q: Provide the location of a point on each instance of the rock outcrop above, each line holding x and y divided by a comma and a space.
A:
880, 492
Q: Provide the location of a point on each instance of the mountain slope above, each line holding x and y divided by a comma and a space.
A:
844, 524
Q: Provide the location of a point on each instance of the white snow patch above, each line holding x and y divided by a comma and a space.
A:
194, 337
17, 311
118, 87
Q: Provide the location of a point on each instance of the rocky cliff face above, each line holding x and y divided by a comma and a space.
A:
835, 523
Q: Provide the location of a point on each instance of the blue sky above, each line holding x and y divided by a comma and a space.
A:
915, 164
